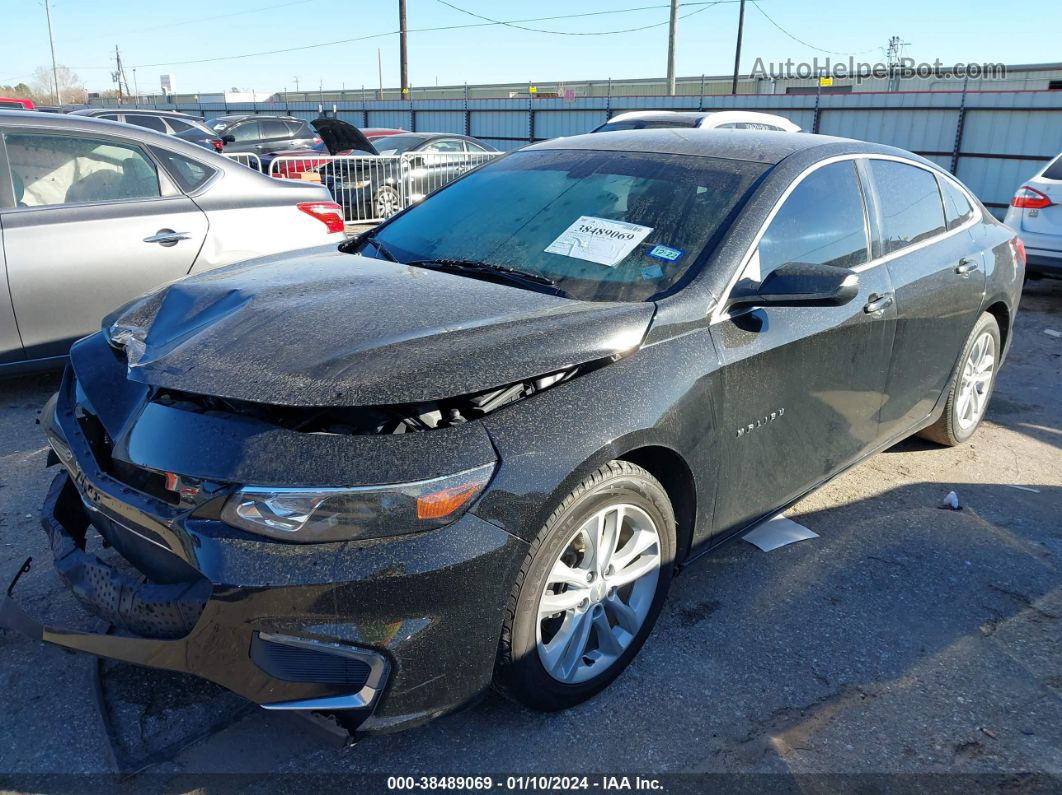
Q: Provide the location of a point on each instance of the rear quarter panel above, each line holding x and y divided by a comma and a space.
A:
253, 215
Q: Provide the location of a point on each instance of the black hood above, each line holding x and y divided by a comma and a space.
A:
340, 136
324, 328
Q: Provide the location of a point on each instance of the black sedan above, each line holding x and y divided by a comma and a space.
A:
473, 445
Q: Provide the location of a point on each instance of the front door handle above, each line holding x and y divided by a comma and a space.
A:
966, 265
167, 237
877, 303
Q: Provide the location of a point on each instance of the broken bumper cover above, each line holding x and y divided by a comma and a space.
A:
402, 629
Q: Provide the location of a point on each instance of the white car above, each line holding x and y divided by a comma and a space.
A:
707, 120
94, 213
1035, 213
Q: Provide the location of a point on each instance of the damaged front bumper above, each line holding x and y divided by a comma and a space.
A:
397, 630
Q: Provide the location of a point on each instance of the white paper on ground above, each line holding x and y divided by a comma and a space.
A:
599, 240
777, 532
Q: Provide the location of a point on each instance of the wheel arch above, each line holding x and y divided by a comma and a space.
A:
1001, 312
675, 475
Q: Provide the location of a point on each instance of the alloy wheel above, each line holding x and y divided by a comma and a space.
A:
598, 593
976, 381
386, 203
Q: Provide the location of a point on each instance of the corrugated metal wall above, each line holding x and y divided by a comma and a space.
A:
992, 140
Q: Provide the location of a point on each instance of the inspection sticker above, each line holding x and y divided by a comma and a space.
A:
666, 253
599, 240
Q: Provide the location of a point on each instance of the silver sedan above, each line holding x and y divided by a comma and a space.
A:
94, 213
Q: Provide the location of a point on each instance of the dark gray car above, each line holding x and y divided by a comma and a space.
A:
262, 134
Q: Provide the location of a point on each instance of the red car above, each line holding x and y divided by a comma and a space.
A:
10, 103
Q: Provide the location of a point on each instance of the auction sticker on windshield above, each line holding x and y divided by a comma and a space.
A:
599, 240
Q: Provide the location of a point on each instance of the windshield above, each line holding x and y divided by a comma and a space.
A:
397, 144
647, 124
604, 226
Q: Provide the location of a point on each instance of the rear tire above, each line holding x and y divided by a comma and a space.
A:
589, 591
971, 386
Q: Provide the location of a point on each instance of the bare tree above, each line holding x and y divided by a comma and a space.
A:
70, 85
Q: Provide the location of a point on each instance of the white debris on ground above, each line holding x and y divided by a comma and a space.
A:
777, 532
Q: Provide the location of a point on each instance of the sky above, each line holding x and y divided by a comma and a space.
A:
153, 35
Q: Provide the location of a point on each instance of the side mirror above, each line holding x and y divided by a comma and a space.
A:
418, 161
228, 139
801, 284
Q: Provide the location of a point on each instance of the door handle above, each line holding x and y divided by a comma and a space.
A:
877, 303
167, 237
966, 265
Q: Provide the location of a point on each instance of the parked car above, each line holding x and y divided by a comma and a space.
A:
473, 444
712, 120
380, 187
337, 138
1035, 213
93, 213
182, 125
11, 103
260, 135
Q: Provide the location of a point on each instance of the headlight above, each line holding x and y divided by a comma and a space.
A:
356, 185
340, 514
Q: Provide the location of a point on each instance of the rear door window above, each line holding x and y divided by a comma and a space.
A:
65, 169
822, 222
180, 125
957, 208
189, 174
246, 131
273, 129
909, 201
147, 121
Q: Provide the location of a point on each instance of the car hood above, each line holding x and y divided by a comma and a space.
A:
340, 136
325, 328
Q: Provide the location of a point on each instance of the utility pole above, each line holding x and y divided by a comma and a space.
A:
671, 31
737, 52
403, 54
296, 78
379, 69
119, 75
136, 87
51, 42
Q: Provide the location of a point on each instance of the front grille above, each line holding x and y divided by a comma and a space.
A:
301, 664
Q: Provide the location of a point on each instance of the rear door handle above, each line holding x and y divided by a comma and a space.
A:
877, 303
966, 265
167, 237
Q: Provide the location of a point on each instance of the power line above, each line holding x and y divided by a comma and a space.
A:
434, 29
704, 7
801, 41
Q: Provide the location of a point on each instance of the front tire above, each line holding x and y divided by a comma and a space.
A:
387, 202
589, 591
971, 387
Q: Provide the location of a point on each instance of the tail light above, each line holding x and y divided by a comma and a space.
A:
1017, 248
328, 213
219, 145
316, 140
1030, 199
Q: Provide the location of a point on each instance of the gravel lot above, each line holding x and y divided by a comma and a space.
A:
906, 638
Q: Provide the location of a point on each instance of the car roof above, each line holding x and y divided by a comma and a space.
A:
760, 146
242, 116
71, 122
123, 109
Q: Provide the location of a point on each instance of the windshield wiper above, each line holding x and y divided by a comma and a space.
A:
504, 272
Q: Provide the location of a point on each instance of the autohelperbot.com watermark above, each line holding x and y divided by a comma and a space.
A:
859, 71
